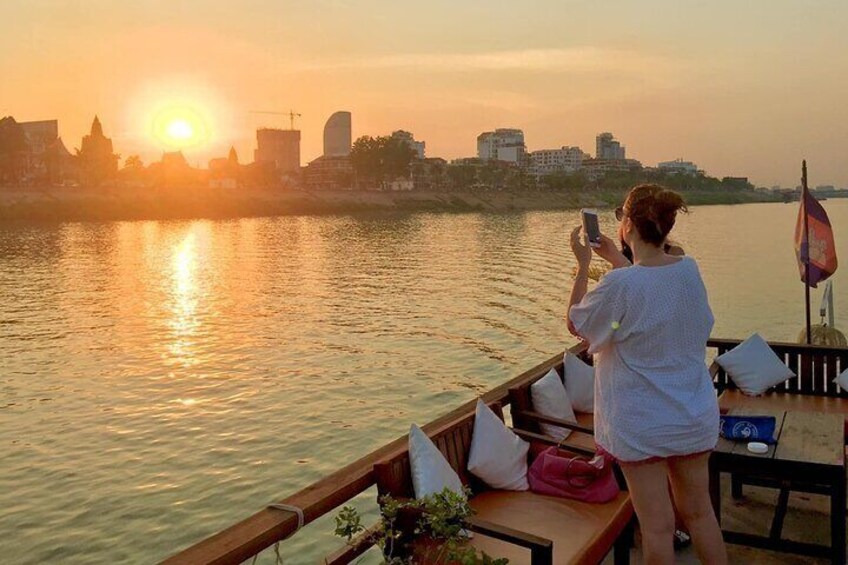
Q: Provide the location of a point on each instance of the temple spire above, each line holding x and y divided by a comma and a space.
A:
96, 128
233, 157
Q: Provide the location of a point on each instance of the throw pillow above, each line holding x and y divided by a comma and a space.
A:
753, 366
498, 456
579, 383
550, 399
431, 472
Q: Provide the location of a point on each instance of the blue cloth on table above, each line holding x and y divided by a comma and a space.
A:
749, 428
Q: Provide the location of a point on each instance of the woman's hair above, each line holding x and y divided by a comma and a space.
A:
653, 210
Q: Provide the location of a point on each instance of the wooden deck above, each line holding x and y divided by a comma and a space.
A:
808, 520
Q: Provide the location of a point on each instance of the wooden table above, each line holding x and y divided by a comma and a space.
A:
809, 457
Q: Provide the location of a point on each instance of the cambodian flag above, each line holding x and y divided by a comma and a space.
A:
816, 245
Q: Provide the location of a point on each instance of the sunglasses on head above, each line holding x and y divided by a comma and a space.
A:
619, 213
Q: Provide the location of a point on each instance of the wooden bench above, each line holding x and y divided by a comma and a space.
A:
811, 391
815, 367
524, 417
523, 526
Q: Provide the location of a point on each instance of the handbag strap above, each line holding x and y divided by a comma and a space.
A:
573, 481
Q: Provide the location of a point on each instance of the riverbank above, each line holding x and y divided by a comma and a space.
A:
160, 204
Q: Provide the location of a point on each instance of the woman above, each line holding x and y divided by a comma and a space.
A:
655, 408
682, 538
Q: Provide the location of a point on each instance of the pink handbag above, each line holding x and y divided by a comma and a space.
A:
559, 473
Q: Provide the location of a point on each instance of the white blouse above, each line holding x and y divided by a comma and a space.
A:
648, 328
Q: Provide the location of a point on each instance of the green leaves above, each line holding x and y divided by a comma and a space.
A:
445, 514
441, 519
348, 523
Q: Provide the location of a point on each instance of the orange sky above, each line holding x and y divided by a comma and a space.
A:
739, 89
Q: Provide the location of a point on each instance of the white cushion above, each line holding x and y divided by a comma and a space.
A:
842, 380
498, 456
579, 383
753, 366
550, 399
431, 472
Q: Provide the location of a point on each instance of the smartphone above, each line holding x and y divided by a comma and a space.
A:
591, 229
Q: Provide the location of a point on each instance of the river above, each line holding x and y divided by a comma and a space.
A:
162, 380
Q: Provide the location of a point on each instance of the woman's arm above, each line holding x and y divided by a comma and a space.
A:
583, 254
578, 291
611, 253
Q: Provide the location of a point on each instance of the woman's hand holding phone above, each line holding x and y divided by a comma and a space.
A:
610, 252
582, 251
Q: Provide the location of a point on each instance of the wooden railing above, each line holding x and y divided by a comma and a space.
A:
815, 367
245, 539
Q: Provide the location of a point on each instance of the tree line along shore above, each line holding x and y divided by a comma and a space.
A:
79, 204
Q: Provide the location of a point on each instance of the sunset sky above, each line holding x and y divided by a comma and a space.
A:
741, 88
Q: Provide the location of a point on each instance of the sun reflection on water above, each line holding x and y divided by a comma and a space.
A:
184, 322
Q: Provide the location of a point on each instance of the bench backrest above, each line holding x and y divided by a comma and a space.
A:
394, 476
815, 366
520, 400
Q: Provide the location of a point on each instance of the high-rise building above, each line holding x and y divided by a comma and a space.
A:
548, 161
409, 139
337, 135
503, 144
606, 147
278, 146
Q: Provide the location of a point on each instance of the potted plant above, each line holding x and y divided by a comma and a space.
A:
430, 530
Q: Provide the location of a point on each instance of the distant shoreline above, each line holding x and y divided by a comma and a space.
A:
75, 204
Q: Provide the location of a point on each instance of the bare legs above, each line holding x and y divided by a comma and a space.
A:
648, 484
690, 481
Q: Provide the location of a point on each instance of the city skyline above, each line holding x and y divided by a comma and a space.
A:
750, 94
282, 148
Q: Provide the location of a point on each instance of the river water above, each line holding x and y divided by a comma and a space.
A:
162, 380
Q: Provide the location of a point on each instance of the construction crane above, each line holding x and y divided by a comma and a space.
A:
291, 114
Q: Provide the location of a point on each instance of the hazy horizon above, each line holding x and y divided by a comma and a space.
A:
742, 90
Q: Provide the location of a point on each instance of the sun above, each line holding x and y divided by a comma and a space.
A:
181, 113
180, 127
180, 130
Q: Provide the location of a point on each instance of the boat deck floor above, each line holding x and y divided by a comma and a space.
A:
808, 520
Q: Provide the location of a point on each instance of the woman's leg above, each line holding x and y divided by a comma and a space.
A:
648, 485
690, 481
681, 533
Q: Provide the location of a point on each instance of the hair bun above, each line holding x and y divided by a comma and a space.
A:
668, 200
653, 209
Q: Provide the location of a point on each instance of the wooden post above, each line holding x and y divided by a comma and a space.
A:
804, 190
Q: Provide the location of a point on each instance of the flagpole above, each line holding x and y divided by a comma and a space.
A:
804, 190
